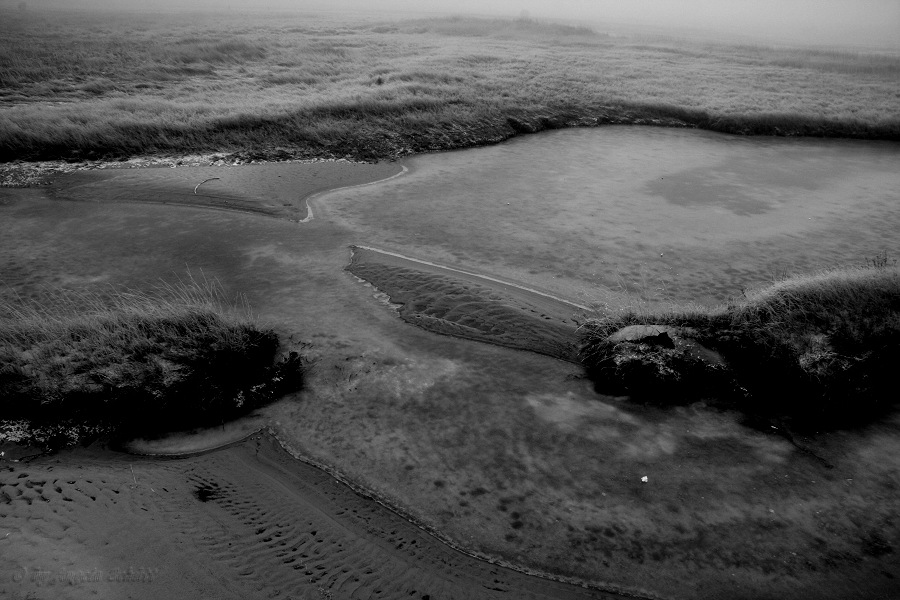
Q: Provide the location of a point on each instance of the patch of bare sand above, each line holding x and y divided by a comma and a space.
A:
273, 189
466, 305
241, 521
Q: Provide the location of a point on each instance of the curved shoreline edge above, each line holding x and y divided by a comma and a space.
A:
501, 127
29, 172
315, 196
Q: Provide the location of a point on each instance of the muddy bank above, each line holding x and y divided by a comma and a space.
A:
452, 302
399, 142
276, 190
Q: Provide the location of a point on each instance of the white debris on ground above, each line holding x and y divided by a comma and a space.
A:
21, 174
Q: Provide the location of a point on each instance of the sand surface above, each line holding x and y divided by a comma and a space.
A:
266, 188
244, 521
466, 305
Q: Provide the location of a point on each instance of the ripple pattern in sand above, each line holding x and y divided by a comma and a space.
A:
249, 519
451, 302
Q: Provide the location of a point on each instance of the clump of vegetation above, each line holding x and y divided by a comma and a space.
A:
133, 362
814, 350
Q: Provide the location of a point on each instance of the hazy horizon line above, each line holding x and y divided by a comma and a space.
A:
861, 35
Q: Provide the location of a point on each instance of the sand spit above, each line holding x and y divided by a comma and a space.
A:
243, 520
278, 190
454, 302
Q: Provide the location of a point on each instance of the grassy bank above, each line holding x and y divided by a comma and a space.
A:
82, 85
135, 362
816, 350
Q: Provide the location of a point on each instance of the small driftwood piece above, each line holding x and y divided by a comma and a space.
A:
202, 182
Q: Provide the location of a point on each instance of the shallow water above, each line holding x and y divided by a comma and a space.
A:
691, 215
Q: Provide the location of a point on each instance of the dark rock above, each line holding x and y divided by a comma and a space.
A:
661, 364
666, 336
652, 335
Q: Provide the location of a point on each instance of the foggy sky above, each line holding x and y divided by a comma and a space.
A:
830, 22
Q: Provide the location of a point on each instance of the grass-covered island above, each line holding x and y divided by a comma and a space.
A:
77, 363
816, 351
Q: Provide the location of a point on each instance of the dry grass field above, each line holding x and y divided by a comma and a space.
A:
89, 85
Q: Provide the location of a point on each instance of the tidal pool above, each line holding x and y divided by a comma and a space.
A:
669, 214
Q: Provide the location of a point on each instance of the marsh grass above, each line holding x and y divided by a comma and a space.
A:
177, 356
817, 350
84, 85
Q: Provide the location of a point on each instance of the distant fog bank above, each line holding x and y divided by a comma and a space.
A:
869, 23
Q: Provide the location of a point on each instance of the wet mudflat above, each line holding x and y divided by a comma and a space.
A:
507, 453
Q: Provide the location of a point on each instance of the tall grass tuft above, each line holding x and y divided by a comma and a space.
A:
178, 356
817, 350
